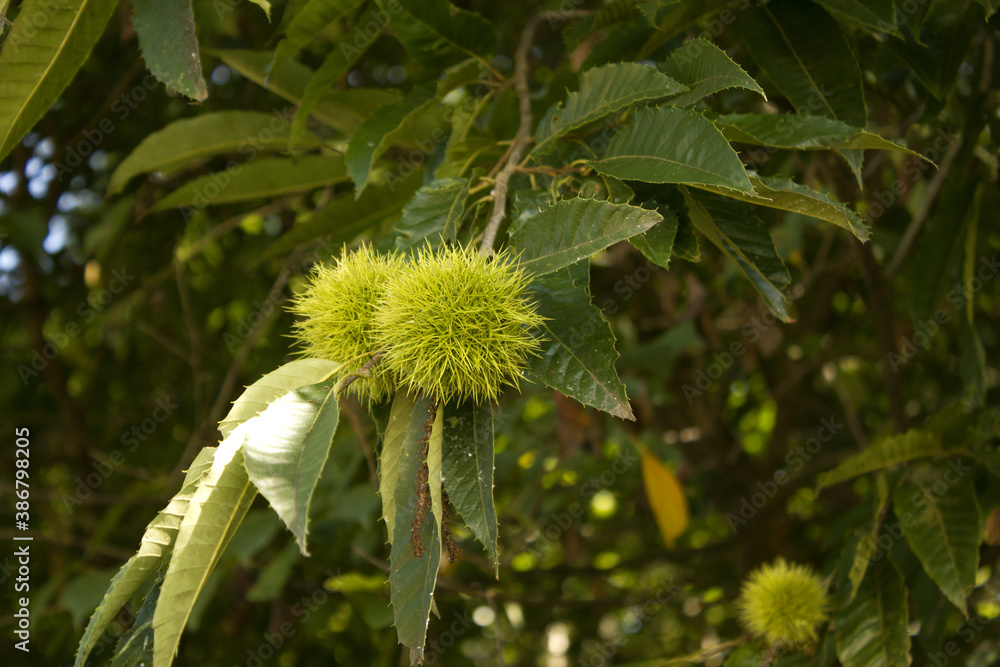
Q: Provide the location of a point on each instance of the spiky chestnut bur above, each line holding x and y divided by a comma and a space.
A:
338, 309
457, 324
782, 604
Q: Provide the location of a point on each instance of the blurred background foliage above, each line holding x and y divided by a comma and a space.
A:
126, 333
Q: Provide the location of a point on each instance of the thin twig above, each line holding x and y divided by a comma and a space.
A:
361, 372
930, 196
523, 135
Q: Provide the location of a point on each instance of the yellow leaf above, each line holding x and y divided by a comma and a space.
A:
666, 497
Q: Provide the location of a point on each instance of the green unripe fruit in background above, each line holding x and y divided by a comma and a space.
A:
457, 324
339, 308
782, 604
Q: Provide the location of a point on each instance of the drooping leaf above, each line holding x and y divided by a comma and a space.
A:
468, 470
787, 195
434, 213
38, 62
415, 554
802, 132
673, 18
213, 515
657, 243
889, 451
436, 33
180, 143
705, 69
169, 46
872, 630
864, 552
734, 228
154, 548
939, 251
578, 353
603, 91
938, 510
805, 53
345, 217
573, 229
342, 110
378, 132
672, 146
135, 647
876, 15
338, 60
666, 498
277, 383
287, 449
309, 21
260, 179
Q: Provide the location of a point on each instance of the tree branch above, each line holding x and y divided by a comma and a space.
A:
523, 135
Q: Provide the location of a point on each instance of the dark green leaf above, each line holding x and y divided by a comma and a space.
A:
184, 141
436, 33
787, 195
260, 179
805, 53
672, 146
383, 127
38, 64
872, 630
335, 65
287, 449
938, 510
573, 229
876, 15
705, 69
277, 383
657, 244
309, 21
467, 469
345, 217
578, 353
736, 231
864, 551
603, 91
801, 132
169, 46
343, 110
939, 252
889, 451
434, 213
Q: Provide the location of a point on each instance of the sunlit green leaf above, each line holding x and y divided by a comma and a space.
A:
41, 54
154, 549
286, 450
